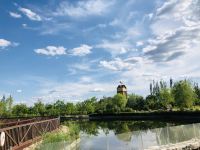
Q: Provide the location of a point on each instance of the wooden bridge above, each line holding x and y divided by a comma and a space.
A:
18, 134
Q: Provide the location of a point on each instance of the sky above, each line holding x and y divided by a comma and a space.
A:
76, 49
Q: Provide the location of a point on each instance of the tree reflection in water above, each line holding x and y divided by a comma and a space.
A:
134, 134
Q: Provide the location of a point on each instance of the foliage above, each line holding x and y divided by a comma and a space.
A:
6, 105
20, 110
136, 102
166, 98
197, 92
183, 94
119, 100
39, 108
53, 140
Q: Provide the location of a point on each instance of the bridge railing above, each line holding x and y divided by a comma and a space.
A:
20, 136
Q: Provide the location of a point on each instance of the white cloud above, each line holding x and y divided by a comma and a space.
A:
24, 25
85, 79
176, 29
139, 43
30, 14
117, 65
82, 50
97, 90
4, 43
115, 48
83, 8
51, 50
19, 91
15, 15
60, 50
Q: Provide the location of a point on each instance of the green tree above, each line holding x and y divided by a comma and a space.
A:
184, 95
51, 110
151, 102
39, 108
20, 110
60, 107
104, 104
87, 107
70, 108
165, 98
9, 104
2, 108
197, 92
119, 100
135, 102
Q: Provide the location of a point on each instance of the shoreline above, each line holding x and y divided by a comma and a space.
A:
162, 116
193, 116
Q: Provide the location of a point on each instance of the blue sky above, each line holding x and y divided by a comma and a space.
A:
75, 49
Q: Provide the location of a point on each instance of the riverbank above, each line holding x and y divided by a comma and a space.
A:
193, 116
66, 136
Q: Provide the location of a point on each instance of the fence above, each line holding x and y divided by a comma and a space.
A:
19, 136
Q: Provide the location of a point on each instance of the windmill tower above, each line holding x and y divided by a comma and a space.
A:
121, 89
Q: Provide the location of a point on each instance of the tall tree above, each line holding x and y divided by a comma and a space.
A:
20, 110
9, 104
183, 94
39, 108
171, 82
135, 102
197, 92
165, 98
151, 88
120, 100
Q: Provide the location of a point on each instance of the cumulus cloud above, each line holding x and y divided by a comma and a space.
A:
82, 50
115, 48
15, 15
60, 50
83, 8
30, 14
117, 64
51, 50
176, 27
5, 43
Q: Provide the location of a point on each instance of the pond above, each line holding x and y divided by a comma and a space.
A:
129, 135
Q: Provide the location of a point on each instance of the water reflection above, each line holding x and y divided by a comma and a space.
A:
134, 135
129, 135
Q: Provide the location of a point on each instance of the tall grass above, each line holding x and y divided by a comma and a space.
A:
58, 140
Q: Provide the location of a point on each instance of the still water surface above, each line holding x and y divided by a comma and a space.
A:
131, 135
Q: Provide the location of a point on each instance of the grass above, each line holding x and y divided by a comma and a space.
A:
58, 140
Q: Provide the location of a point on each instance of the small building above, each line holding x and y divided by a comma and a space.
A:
121, 89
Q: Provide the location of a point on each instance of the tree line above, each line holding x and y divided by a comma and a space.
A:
180, 95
